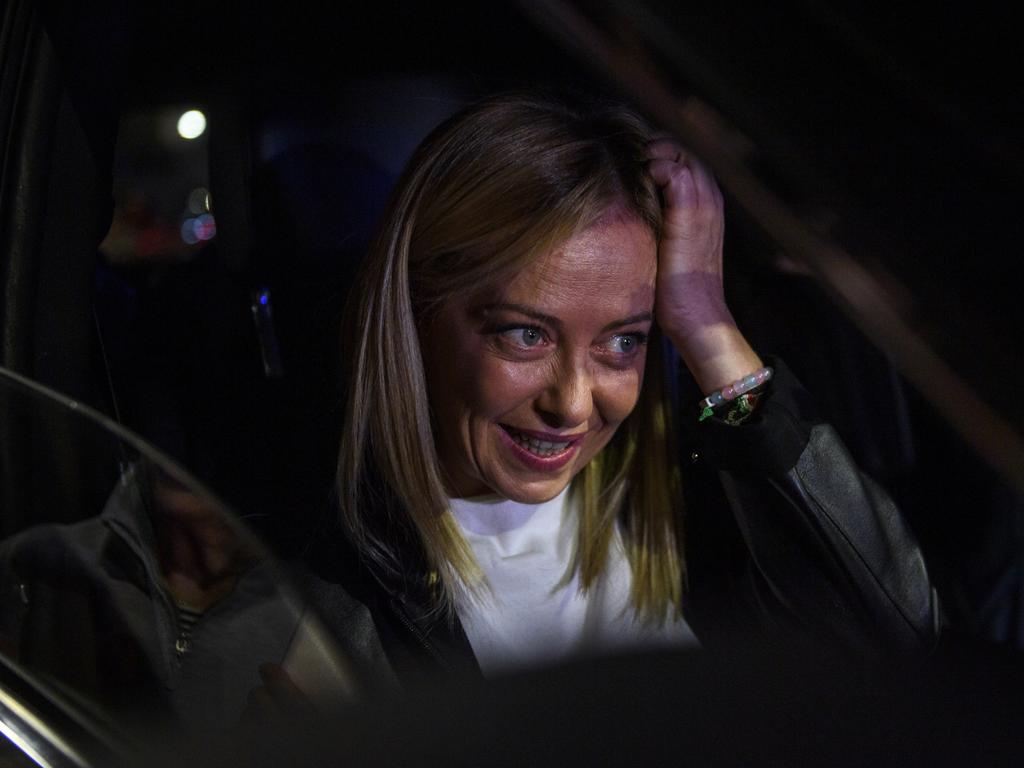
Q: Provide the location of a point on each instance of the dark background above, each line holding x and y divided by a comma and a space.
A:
893, 132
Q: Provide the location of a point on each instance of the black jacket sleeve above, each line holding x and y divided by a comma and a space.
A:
825, 553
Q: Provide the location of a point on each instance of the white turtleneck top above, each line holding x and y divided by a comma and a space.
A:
528, 619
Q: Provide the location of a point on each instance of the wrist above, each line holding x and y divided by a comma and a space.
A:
716, 354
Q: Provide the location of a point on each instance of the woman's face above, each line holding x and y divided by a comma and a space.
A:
530, 379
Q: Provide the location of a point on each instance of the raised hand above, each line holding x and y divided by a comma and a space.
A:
690, 300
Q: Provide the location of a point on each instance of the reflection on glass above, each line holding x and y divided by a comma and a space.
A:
13, 754
151, 613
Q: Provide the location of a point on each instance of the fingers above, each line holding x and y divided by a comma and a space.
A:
677, 183
665, 148
278, 696
286, 694
684, 180
279, 682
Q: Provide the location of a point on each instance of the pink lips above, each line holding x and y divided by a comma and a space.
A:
543, 463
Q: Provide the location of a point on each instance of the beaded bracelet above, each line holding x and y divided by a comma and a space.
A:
733, 391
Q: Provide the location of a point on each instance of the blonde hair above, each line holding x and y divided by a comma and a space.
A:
490, 190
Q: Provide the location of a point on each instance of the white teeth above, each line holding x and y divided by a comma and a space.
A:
538, 447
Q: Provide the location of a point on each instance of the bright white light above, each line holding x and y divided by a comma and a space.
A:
191, 124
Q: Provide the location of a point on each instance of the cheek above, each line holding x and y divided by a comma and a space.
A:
468, 382
501, 387
620, 393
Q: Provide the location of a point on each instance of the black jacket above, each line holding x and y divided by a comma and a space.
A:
785, 540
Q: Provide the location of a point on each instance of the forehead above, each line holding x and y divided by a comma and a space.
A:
613, 264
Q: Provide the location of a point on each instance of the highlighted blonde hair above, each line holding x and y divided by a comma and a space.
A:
489, 191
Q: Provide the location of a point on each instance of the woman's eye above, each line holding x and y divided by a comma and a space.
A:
626, 343
524, 337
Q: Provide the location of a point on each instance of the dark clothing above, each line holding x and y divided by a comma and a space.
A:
826, 554
85, 605
785, 539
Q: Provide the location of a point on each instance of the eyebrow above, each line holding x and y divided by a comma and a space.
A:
640, 317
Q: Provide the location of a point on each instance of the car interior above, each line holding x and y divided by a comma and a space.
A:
188, 188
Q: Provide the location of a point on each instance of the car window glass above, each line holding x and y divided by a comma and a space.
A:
129, 595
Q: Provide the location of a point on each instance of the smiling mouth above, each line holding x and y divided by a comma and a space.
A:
538, 446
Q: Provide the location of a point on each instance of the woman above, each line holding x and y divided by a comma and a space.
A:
508, 474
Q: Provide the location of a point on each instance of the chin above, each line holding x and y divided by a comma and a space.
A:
533, 493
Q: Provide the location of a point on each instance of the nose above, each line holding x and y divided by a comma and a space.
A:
568, 400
